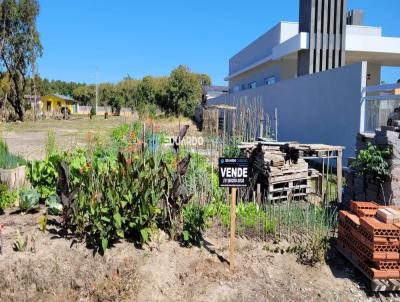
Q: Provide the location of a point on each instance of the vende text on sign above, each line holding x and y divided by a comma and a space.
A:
233, 172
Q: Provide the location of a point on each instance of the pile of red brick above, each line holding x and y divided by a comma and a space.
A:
369, 235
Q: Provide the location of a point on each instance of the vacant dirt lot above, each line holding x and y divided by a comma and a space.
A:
54, 268
28, 138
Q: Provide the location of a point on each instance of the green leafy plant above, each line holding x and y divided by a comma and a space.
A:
194, 224
43, 175
54, 206
373, 161
8, 160
231, 149
7, 197
50, 144
20, 242
28, 200
43, 223
123, 201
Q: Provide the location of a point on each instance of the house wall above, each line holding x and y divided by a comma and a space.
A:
56, 104
283, 69
317, 108
262, 47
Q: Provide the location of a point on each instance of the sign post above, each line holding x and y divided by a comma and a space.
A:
233, 231
233, 173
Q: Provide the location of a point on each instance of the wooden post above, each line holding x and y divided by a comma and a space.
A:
261, 134
233, 231
339, 175
259, 194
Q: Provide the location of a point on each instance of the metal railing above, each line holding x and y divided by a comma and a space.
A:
377, 103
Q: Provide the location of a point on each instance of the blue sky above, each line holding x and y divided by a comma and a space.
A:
152, 37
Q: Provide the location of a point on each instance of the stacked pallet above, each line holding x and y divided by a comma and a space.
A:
369, 236
283, 178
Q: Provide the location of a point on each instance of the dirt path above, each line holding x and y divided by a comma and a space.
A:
55, 269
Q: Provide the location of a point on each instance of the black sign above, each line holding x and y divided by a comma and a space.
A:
233, 172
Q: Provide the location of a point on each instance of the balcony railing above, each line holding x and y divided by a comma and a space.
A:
377, 103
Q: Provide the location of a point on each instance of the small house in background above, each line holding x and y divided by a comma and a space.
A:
57, 103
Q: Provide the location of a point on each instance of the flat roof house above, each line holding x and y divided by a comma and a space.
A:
321, 74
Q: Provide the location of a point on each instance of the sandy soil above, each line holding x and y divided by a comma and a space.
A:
59, 269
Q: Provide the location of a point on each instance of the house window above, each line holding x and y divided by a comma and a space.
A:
243, 87
252, 85
269, 81
236, 88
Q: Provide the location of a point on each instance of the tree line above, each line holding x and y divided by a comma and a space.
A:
177, 93
20, 46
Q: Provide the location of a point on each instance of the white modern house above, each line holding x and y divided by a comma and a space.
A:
321, 74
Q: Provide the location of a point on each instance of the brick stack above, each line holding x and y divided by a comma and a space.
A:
369, 235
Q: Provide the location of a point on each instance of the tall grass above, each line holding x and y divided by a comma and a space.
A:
8, 160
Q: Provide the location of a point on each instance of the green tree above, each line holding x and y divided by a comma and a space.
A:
128, 89
84, 94
19, 46
147, 90
184, 91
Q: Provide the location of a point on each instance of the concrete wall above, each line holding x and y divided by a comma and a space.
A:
363, 30
318, 108
282, 70
262, 47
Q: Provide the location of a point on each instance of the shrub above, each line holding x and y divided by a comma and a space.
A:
123, 201
28, 200
373, 161
7, 197
194, 224
8, 160
92, 111
43, 175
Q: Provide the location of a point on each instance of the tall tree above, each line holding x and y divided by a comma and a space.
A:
19, 46
84, 94
184, 91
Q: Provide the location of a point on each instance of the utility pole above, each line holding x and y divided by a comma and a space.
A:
97, 88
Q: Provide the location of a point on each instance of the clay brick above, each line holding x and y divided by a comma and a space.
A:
366, 213
386, 265
363, 252
355, 205
376, 228
354, 219
342, 215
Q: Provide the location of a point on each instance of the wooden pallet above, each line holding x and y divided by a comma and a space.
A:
376, 285
288, 185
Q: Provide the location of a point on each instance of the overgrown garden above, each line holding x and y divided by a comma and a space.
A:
130, 186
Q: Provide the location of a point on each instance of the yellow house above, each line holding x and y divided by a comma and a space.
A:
56, 103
